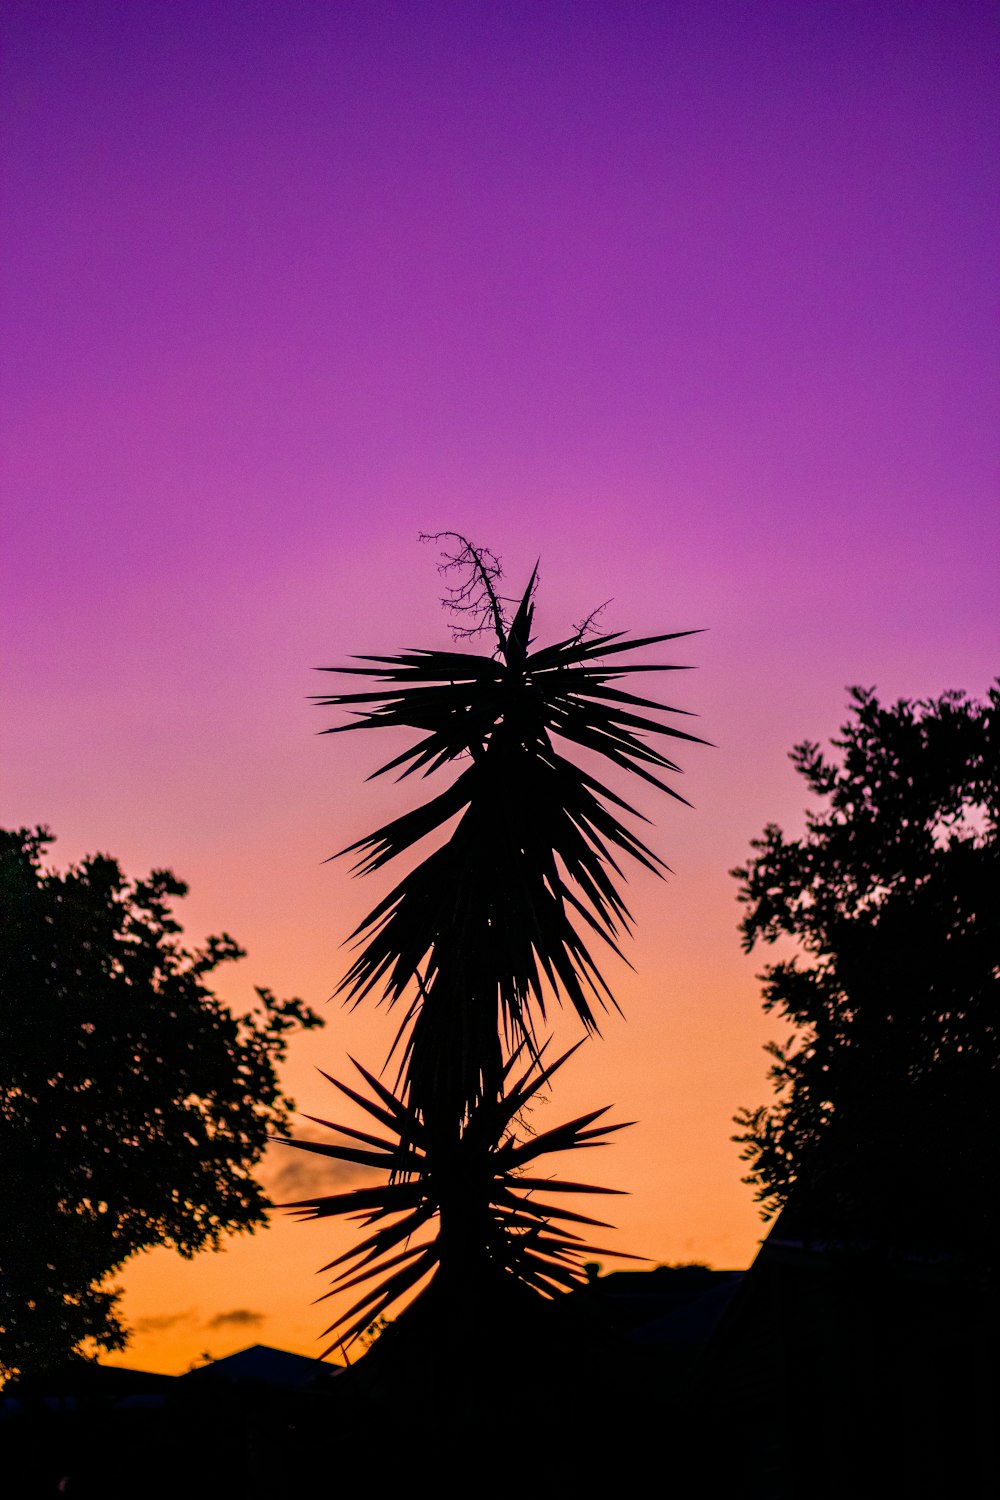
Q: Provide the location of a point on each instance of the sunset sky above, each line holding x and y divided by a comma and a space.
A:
695, 301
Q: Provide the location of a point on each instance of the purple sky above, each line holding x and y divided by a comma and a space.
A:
698, 302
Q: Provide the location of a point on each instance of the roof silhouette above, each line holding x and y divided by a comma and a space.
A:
261, 1362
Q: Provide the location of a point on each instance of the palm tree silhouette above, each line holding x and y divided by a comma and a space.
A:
496, 921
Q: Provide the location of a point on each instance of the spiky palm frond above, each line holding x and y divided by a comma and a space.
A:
463, 1212
502, 914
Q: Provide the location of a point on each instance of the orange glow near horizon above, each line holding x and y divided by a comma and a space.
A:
660, 1064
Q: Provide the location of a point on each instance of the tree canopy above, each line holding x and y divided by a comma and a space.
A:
885, 1123
135, 1104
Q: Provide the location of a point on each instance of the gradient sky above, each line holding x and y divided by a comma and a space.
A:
695, 301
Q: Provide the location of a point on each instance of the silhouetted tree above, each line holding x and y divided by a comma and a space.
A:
476, 937
134, 1103
887, 1114
502, 909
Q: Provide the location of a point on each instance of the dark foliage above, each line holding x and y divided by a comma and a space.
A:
474, 939
504, 910
134, 1103
886, 1119
489, 1225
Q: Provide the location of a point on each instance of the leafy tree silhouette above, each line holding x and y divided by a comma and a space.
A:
885, 1124
134, 1103
475, 938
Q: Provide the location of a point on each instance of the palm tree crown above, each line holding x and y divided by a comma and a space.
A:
502, 911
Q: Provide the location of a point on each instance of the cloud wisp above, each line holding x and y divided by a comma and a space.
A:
160, 1322
290, 1175
237, 1317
